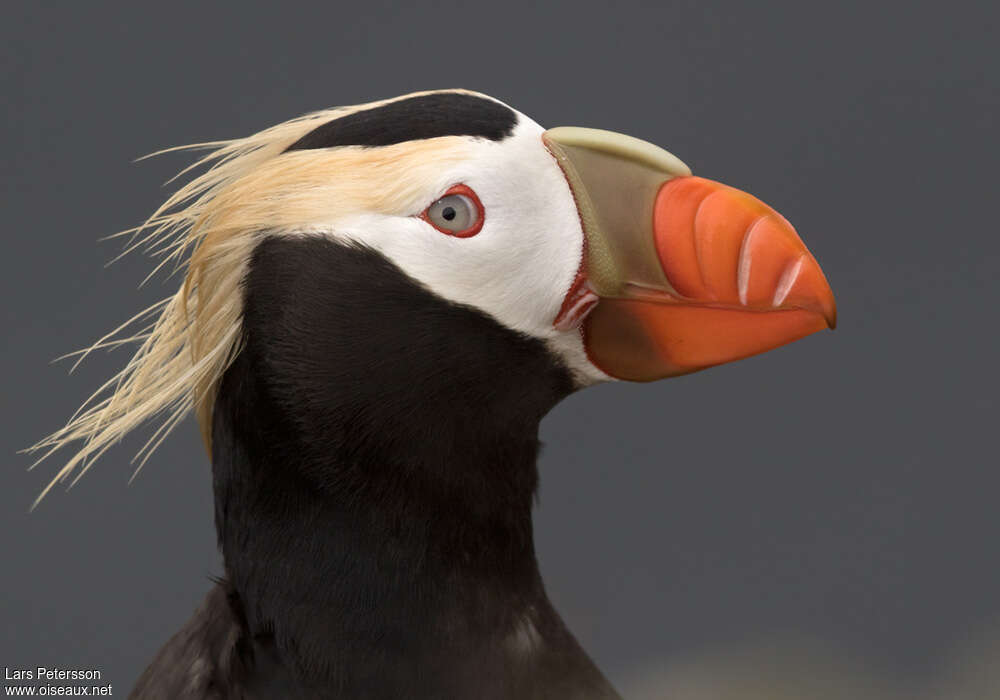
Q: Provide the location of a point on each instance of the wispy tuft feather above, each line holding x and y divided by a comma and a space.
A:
208, 229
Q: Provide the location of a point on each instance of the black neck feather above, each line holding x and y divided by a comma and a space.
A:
374, 464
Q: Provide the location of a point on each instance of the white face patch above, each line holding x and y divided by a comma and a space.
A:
520, 266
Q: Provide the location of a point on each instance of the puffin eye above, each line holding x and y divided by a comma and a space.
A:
458, 213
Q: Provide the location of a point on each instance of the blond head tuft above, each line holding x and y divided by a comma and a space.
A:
208, 228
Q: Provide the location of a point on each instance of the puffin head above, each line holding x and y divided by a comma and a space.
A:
598, 247
603, 246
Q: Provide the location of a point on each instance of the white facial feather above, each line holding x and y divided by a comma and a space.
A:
519, 267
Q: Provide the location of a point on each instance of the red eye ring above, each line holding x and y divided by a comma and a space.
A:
468, 193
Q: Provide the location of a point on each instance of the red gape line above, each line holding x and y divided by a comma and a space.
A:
480, 212
577, 303
580, 299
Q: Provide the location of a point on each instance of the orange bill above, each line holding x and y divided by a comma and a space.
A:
697, 274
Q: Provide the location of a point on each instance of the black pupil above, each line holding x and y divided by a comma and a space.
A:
448, 213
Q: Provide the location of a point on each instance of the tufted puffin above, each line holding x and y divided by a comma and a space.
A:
379, 305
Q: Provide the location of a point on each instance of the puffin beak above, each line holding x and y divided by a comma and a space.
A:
680, 273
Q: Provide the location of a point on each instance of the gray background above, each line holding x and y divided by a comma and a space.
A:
836, 498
